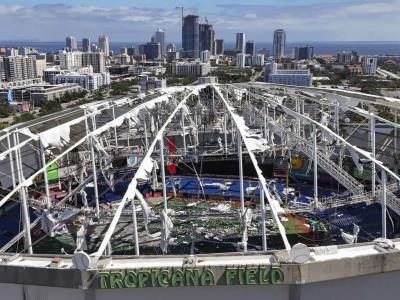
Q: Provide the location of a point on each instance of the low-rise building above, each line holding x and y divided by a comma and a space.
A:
151, 83
20, 107
90, 82
189, 69
299, 77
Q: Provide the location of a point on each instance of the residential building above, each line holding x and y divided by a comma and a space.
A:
240, 42
251, 48
190, 36
71, 43
189, 69
151, 83
131, 51
304, 53
355, 69
279, 44
16, 68
159, 37
77, 59
258, 60
86, 45
219, 47
104, 45
240, 60
369, 64
205, 56
171, 48
347, 57
90, 82
152, 50
206, 38
298, 77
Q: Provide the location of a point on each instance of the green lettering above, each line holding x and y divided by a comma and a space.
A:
251, 275
241, 275
207, 277
143, 276
162, 278
130, 280
154, 278
230, 274
116, 280
192, 277
263, 276
104, 276
178, 278
277, 275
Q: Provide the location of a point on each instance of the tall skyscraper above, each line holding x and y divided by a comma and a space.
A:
152, 50
86, 45
219, 46
190, 36
104, 45
251, 48
240, 41
71, 44
207, 36
279, 43
159, 37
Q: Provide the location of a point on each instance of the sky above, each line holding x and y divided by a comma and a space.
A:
136, 21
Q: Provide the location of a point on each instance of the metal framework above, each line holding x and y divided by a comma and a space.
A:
266, 119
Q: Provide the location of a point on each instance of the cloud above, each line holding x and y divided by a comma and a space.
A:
349, 20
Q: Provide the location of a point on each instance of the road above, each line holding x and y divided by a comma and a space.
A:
387, 73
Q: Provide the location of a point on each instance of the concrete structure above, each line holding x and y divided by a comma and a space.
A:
370, 64
90, 82
71, 44
207, 80
171, 47
159, 37
104, 45
190, 36
279, 44
148, 83
219, 46
251, 48
240, 60
189, 69
86, 45
241, 42
296, 77
206, 38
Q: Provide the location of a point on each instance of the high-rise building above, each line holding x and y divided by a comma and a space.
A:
71, 60
369, 65
240, 60
258, 60
94, 48
251, 48
206, 38
15, 68
190, 36
71, 43
131, 51
219, 46
240, 42
86, 45
304, 53
279, 44
152, 50
347, 57
104, 45
159, 37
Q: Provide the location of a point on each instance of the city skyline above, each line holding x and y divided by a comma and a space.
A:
304, 20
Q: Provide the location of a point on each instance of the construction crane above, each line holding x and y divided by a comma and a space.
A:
181, 8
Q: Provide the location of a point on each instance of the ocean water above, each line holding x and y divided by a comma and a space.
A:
378, 48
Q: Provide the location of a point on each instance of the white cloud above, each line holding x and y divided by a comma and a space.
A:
353, 20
